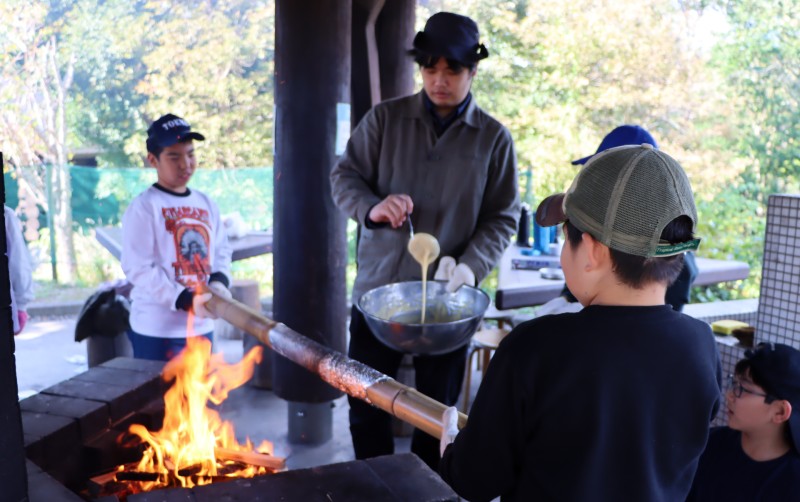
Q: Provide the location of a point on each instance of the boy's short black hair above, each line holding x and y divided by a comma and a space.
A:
638, 271
744, 368
156, 149
429, 61
775, 367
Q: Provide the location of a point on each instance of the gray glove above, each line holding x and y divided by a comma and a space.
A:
445, 269
455, 275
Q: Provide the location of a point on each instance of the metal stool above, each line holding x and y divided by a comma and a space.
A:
484, 342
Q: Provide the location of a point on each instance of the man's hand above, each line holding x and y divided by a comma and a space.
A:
393, 210
199, 301
449, 428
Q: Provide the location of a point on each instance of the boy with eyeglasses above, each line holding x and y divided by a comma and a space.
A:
612, 403
757, 456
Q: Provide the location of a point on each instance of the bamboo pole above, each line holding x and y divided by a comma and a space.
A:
351, 377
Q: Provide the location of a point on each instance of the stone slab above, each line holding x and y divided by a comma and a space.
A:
44, 488
129, 363
49, 437
122, 399
92, 416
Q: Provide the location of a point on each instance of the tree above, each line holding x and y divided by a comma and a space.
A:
211, 63
562, 74
109, 40
760, 56
37, 77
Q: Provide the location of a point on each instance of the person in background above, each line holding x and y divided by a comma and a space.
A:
173, 240
20, 270
437, 158
677, 293
757, 456
613, 402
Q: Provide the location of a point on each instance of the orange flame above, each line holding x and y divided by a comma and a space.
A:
191, 431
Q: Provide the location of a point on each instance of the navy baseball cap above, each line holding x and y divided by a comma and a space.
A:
776, 367
622, 135
168, 130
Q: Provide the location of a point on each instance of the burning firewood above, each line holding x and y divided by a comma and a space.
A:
136, 476
195, 446
128, 479
97, 483
251, 458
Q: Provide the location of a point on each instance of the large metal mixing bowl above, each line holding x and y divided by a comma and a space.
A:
394, 311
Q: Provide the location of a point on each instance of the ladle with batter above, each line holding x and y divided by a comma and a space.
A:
425, 249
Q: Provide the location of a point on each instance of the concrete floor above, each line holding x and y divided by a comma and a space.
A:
46, 354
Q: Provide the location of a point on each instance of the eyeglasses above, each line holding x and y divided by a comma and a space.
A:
738, 389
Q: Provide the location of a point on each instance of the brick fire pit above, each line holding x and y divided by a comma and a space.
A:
71, 431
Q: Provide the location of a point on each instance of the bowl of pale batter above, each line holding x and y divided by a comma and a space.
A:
394, 314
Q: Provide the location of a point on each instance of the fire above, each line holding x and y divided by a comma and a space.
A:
189, 445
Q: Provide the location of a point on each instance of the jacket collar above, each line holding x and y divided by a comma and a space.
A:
470, 116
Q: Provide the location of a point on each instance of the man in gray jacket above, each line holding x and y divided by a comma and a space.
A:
437, 158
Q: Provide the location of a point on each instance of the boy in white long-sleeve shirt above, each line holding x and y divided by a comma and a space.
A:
173, 240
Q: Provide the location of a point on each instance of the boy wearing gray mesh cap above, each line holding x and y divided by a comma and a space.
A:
612, 402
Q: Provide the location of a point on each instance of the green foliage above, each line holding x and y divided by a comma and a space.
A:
108, 40
247, 191
219, 79
732, 225
760, 57
258, 268
560, 76
95, 264
48, 291
210, 62
563, 74
91, 207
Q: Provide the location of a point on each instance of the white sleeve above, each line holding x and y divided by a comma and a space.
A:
222, 247
20, 270
140, 256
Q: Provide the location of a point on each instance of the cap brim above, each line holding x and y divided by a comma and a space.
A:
551, 211
191, 135
582, 161
182, 137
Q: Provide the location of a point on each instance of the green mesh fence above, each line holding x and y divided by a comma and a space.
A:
101, 195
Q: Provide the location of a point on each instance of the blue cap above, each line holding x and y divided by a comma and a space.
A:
622, 135
168, 130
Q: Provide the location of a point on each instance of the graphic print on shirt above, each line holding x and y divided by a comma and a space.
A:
189, 227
